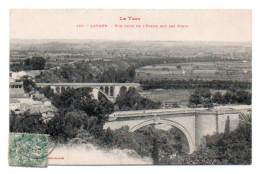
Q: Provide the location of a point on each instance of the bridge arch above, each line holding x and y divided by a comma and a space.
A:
185, 135
111, 91
107, 90
101, 94
96, 92
123, 89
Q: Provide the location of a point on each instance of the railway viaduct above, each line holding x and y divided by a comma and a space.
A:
109, 90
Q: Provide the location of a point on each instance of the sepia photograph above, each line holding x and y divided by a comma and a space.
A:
130, 87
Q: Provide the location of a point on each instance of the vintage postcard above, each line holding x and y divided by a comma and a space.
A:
130, 87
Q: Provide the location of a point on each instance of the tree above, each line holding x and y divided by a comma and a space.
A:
82, 137
108, 137
228, 97
195, 97
235, 96
155, 151
12, 121
73, 121
217, 98
37, 63
65, 125
244, 97
203, 156
47, 91
82, 100
132, 100
227, 126
66, 72
206, 98
27, 62
28, 84
27, 122
131, 73
201, 96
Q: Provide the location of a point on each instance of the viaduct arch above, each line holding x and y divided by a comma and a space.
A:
188, 146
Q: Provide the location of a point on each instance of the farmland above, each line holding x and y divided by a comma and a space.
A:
222, 70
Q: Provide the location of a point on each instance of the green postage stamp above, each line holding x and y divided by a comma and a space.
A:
28, 150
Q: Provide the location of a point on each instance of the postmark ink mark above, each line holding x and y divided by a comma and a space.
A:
28, 150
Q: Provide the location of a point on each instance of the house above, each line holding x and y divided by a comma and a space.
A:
17, 75
37, 96
33, 73
16, 90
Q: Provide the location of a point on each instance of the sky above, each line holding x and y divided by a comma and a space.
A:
201, 25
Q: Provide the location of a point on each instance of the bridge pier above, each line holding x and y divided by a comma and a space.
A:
117, 90
95, 93
54, 89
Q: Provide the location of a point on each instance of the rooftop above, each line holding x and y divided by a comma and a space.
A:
16, 83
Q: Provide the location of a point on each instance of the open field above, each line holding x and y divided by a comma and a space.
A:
180, 96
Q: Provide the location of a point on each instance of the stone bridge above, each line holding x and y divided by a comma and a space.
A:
109, 90
192, 124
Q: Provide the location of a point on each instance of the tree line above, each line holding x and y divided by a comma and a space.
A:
191, 84
144, 61
206, 98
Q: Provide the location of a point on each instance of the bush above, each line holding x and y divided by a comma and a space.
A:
202, 97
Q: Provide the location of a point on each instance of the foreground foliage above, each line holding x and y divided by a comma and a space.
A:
226, 148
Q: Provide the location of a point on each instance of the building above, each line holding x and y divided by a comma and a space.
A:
19, 75
16, 90
35, 102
